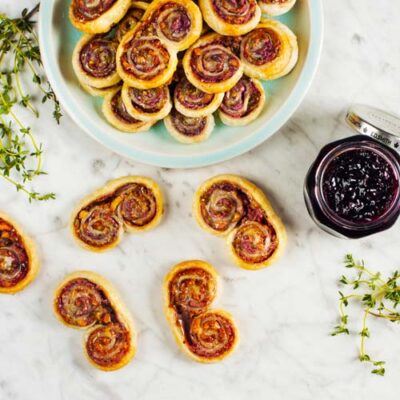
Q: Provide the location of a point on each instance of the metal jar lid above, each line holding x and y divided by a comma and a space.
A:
376, 124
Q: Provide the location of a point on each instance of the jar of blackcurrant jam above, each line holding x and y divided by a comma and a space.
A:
352, 188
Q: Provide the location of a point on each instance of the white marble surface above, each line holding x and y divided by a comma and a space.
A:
285, 313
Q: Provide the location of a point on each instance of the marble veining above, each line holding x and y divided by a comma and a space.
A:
284, 313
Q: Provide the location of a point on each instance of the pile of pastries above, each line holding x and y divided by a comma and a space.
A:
229, 206
181, 61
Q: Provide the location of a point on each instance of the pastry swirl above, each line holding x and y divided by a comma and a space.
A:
270, 51
85, 300
93, 61
145, 62
148, 104
234, 208
189, 129
132, 203
107, 345
178, 23
211, 66
243, 103
97, 16
137, 205
193, 102
19, 263
117, 115
203, 334
276, 7
131, 19
231, 17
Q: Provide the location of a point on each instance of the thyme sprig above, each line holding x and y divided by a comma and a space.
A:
378, 297
20, 153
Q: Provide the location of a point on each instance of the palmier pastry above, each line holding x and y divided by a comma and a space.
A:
231, 206
94, 63
270, 51
231, 17
86, 300
147, 104
276, 7
189, 129
211, 66
193, 102
177, 22
243, 103
131, 19
145, 62
117, 115
132, 203
19, 262
97, 16
205, 335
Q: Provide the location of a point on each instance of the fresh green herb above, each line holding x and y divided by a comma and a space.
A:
378, 297
20, 154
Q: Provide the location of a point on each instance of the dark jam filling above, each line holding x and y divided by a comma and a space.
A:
359, 186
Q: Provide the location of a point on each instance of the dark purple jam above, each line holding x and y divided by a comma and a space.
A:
359, 185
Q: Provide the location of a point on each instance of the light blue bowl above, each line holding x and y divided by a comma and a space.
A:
57, 40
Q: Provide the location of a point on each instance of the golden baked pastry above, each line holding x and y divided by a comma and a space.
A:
211, 65
276, 7
148, 104
97, 16
193, 102
145, 62
231, 18
85, 300
99, 92
132, 203
19, 262
93, 61
243, 103
205, 335
117, 115
189, 129
270, 51
232, 207
178, 23
131, 19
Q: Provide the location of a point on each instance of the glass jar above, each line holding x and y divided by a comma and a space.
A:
352, 188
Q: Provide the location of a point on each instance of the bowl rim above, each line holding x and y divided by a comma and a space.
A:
185, 161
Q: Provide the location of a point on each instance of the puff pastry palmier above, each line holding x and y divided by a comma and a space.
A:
93, 61
189, 129
147, 104
193, 102
131, 19
232, 207
145, 62
177, 22
276, 7
243, 103
231, 17
86, 300
97, 16
19, 262
117, 115
270, 51
131, 203
204, 334
211, 65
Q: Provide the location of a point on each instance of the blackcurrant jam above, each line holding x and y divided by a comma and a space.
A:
352, 188
359, 185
